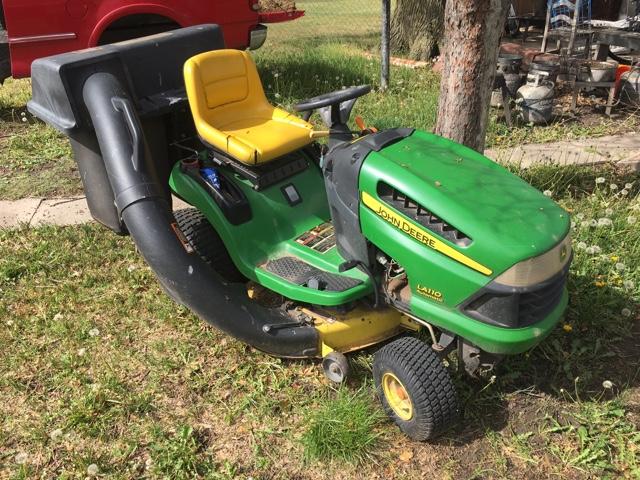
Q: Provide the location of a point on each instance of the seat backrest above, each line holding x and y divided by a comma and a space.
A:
223, 86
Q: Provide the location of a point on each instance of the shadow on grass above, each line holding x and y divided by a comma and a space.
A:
364, 40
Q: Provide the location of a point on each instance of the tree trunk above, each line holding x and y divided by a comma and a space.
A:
472, 30
416, 27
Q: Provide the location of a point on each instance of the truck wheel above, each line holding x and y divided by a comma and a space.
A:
415, 388
207, 243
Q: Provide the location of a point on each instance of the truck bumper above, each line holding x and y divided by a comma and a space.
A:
257, 37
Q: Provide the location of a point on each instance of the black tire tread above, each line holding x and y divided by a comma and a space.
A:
428, 383
207, 243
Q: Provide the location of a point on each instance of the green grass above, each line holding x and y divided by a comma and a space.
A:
100, 367
330, 21
343, 428
35, 160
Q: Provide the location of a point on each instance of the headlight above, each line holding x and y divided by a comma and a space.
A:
538, 269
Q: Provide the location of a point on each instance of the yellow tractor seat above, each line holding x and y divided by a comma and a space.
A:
232, 114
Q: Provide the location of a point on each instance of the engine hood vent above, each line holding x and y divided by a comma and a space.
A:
421, 215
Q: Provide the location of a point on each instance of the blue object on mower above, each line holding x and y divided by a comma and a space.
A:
211, 176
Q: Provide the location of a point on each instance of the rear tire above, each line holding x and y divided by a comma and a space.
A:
415, 388
207, 243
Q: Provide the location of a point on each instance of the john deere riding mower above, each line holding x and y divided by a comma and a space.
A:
309, 248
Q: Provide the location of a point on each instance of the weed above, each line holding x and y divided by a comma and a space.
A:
342, 427
597, 436
180, 455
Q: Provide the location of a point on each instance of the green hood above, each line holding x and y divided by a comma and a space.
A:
506, 219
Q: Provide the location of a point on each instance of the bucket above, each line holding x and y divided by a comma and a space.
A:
593, 71
509, 66
619, 72
630, 87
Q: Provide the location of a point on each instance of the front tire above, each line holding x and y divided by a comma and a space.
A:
415, 388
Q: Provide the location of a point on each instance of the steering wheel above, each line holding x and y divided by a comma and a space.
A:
332, 98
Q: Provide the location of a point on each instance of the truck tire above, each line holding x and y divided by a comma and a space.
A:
415, 388
207, 243
5, 56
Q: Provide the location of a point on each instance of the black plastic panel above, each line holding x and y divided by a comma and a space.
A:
150, 68
148, 75
301, 273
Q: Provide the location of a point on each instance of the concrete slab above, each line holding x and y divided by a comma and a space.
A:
13, 213
62, 211
58, 211
618, 148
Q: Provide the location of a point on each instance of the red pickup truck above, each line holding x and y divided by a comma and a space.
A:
39, 28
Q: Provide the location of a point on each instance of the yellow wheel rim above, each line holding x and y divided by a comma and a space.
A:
397, 396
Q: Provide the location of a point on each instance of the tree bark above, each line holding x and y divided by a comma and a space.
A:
416, 27
472, 31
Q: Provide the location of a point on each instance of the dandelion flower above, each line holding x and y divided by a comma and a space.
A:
580, 216
599, 284
626, 312
613, 187
628, 284
628, 186
21, 458
581, 246
600, 180
615, 258
593, 223
624, 192
93, 470
608, 384
56, 434
81, 352
609, 211
590, 250
597, 249
548, 193
567, 328
620, 267
631, 220
94, 332
604, 222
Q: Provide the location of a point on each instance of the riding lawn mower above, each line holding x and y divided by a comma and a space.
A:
308, 243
